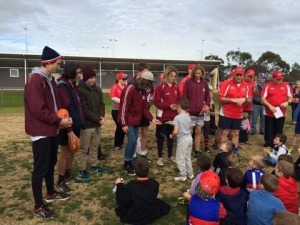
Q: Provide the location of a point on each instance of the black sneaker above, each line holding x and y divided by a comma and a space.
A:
63, 187
129, 170
69, 180
56, 196
196, 154
43, 212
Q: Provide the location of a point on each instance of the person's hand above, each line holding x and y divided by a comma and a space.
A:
266, 151
72, 137
119, 180
284, 105
174, 106
272, 108
101, 121
156, 122
66, 122
240, 101
125, 129
205, 108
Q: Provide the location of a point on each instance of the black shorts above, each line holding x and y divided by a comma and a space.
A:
63, 138
226, 123
145, 122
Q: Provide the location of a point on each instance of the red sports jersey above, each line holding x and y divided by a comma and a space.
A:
230, 89
276, 94
115, 91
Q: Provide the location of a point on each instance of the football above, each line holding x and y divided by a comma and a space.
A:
74, 145
62, 113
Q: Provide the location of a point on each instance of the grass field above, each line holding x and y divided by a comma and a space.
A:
90, 203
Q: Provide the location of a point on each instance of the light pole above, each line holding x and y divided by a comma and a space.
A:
105, 48
239, 53
202, 50
26, 39
113, 40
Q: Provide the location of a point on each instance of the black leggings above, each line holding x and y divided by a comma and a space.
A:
163, 131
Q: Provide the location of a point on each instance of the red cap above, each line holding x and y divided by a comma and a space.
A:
121, 75
210, 182
232, 73
277, 75
191, 66
239, 70
250, 72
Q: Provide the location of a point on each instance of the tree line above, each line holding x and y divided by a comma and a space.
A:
266, 63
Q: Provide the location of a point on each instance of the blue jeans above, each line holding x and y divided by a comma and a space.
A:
272, 160
132, 137
258, 110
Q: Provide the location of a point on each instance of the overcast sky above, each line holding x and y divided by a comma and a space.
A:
159, 29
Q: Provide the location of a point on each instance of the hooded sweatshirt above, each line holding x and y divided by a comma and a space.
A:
41, 104
287, 192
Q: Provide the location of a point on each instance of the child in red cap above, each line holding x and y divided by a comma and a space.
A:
204, 208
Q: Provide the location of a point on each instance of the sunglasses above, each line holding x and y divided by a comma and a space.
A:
123, 79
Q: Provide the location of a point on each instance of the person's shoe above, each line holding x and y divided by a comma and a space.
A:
191, 177
93, 170
129, 170
206, 149
63, 187
172, 159
196, 154
180, 178
117, 148
83, 176
215, 146
101, 170
160, 162
144, 152
60, 196
43, 212
69, 180
252, 132
262, 133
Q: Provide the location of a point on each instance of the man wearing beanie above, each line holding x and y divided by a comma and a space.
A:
203, 207
132, 109
93, 108
42, 124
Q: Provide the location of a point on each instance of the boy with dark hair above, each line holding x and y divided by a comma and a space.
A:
203, 164
184, 142
262, 204
278, 149
252, 176
233, 197
220, 161
204, 208
137, 200
287, 190
41, 102
232, 161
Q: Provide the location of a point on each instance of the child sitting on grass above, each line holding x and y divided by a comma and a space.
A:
233, 196
232, 162
220, 162
203, 207
287, 190
262, 204
137, 200
203, 164
278, 149
252, 176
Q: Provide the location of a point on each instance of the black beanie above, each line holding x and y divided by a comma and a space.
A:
49, 55
87, 73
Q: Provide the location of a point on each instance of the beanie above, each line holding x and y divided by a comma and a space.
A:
87, 73
49, 55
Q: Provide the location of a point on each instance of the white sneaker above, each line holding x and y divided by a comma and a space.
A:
180, 178
173, 159
191, 177
160, 162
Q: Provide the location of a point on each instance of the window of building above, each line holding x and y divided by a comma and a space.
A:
14, 72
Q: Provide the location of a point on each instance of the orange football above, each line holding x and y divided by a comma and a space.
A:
62, 113
74, 145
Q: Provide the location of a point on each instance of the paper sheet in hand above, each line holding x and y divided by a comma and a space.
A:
278, 113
